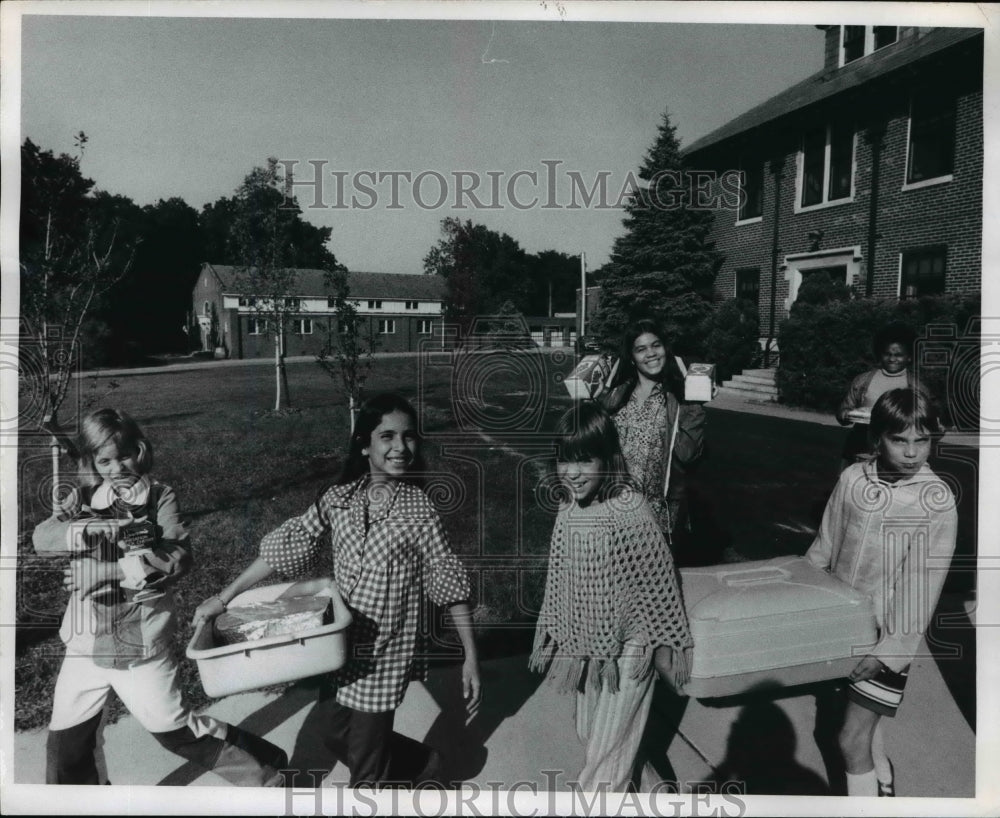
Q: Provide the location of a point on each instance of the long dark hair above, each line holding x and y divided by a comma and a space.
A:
670, 376
369, 417
586, 432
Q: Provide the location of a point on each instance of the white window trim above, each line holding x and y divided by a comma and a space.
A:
869, 46
754, 220
301, 322
800, 160
254, 326
795, 263
425, 322
387, 323
936, 180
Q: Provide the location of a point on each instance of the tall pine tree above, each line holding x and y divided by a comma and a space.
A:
664, 266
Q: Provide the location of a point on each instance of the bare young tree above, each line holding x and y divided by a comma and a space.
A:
349, 350
69, 257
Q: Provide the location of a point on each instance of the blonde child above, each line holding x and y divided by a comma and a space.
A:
612, 609
888, 530
120, 620
389, 549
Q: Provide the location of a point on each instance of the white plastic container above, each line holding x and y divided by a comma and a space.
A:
246, 666
772, 623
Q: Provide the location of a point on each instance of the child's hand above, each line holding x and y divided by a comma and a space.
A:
209, 609
867, 668
87, 574
471, 686
98, 532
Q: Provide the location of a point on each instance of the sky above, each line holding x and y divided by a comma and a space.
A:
187, 107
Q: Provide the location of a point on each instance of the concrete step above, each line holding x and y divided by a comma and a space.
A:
749, 391
761, 373
755, 379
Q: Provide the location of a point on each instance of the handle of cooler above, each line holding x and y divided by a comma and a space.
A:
756, 576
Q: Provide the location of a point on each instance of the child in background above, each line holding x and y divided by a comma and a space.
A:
612, 610
888, 530
893, 348
389, 548
119, 623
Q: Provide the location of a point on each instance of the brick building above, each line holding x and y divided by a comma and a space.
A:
870, 170
404, 311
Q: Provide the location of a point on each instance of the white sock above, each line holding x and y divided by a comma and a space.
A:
862, 784
883, 771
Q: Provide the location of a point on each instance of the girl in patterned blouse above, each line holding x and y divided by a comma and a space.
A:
389, 549
612, 610
652, 422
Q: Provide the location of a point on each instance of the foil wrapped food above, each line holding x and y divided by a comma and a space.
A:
259, 620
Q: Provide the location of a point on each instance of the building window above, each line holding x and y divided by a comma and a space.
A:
207, 309
291, 303
858, 41
302, 326
748, 286
827, 164
246, 301
931, 150
751, 190
256, 326
386, 326
923, 272
411, 305
374, 304
424, 326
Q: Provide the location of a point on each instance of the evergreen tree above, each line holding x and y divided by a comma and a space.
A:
663, 266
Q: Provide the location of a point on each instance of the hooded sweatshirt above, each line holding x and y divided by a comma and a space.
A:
893, 541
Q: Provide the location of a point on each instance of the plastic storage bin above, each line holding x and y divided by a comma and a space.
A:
250, 665
772, 623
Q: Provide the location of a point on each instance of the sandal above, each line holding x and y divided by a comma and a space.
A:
888, 789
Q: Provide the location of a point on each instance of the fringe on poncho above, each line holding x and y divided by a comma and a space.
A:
611, 580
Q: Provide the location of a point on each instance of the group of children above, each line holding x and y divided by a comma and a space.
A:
612, 618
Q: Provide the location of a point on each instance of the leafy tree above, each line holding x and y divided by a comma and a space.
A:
663, 266
482, 268
349, 351
70, 256
553, 278
266, 241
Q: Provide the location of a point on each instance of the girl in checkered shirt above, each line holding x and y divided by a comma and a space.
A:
389, 550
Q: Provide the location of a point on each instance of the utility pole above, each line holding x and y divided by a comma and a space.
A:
583, 295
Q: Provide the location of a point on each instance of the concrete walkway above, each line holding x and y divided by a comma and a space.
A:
524, 735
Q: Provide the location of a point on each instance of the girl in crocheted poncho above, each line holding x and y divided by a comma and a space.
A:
612, 609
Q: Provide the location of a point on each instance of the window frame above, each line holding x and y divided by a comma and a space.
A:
952, 115
386, 326
256, 325
741, 218
374, 303
868, 46
299, 325
422, 322
828, 146
923, 251
412, 305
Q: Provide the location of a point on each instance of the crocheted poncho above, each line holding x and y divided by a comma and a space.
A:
611, 579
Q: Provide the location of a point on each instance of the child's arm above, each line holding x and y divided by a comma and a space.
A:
68, 529
854, 398
471, 683
257, 571
917, 586
171, 556
830, 532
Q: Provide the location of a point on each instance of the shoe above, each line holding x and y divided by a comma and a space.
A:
888, 789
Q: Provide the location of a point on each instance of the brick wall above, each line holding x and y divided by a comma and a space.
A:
948, 213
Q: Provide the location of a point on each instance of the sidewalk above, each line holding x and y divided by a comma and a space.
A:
525, 729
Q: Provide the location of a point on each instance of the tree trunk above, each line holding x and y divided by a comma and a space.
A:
350, 408
278, 365
56, 451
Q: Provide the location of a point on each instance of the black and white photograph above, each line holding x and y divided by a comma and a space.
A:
503, 408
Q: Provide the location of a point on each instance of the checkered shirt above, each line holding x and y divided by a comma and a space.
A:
383, 570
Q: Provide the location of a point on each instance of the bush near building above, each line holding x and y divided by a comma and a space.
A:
825, 345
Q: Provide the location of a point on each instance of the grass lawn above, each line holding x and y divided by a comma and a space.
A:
240, 470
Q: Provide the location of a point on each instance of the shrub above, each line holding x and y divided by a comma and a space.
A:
730, 338
823, 346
